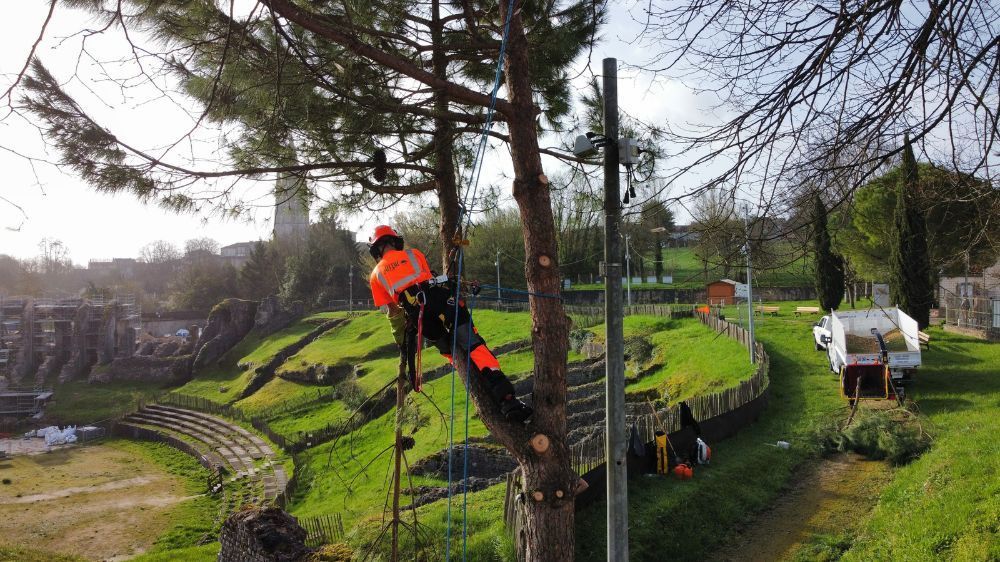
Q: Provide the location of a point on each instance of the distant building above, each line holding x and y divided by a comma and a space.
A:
980, 283
291, 211
237, 254
683, 236
122, 268
722, 291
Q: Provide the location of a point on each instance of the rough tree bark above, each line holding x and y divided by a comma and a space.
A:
444, 163
550, 528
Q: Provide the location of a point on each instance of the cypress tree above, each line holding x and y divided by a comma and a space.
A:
909, 263
829, 265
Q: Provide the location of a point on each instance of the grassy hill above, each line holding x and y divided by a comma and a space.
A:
347, 475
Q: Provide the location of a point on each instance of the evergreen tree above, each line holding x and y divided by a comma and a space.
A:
261, 275
829, 265
909, 263
364, 90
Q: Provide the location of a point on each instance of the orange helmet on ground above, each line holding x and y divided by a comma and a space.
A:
382, 232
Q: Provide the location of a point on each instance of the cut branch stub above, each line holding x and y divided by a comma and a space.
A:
538, 496
544, 261
540, 443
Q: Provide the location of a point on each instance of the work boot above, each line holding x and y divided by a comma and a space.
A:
500, 386
515, 411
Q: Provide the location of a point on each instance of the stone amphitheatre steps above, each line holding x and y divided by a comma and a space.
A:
244, 455
584, 410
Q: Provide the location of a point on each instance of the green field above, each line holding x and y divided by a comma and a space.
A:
688, 272
946, 505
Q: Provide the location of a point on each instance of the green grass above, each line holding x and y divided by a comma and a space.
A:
80, 402
277, 392
688, 519
313, 418
358, 342
353, 484
225, 381
487, 538
274, 343
191, 520
689, 360
946, 504
346, 344
204, 553
688, 273
12, 553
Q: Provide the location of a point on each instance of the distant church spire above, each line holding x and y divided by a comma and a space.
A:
291, 210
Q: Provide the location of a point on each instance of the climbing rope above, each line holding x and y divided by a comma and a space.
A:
468, 198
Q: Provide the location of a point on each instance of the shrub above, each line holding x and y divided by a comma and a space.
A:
579, 338
638, 349
350, 392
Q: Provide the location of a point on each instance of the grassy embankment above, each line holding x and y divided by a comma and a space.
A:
667, 364
685, 520
946, 504
225, 381
367, 342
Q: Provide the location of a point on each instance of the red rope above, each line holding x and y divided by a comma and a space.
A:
418, 377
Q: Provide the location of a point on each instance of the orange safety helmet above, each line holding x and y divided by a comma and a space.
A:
383, 231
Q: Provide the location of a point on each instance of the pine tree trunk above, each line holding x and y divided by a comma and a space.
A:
444, 164
550, 522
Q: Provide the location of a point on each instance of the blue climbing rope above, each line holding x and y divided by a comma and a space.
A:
466, 199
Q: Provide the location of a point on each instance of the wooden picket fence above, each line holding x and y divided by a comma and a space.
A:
325, 529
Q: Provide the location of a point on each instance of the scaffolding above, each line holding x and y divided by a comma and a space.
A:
22, 401
46, 328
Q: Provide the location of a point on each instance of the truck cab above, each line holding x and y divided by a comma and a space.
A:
821, 333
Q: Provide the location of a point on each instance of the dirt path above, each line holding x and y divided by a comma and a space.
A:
97, 502
826, 498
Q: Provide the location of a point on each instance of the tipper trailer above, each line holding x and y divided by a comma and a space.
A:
875, 351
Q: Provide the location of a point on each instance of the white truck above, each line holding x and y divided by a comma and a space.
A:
860, 343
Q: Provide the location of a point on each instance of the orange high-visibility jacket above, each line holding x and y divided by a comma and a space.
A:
397, 270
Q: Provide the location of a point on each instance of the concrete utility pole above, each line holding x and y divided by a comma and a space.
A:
350, 289
615, 442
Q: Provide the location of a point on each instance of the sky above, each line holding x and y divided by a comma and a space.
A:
55, 204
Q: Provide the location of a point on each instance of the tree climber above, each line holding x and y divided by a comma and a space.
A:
421, 305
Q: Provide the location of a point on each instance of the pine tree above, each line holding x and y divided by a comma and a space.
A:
909, 263
358, 84
261, 274
829, 264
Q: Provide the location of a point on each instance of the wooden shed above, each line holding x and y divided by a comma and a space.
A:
722, 291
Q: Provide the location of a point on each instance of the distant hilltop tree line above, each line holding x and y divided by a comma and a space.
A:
837, 243
165, 276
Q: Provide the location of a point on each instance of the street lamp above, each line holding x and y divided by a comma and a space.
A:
658, 230
497, 263
628, 270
